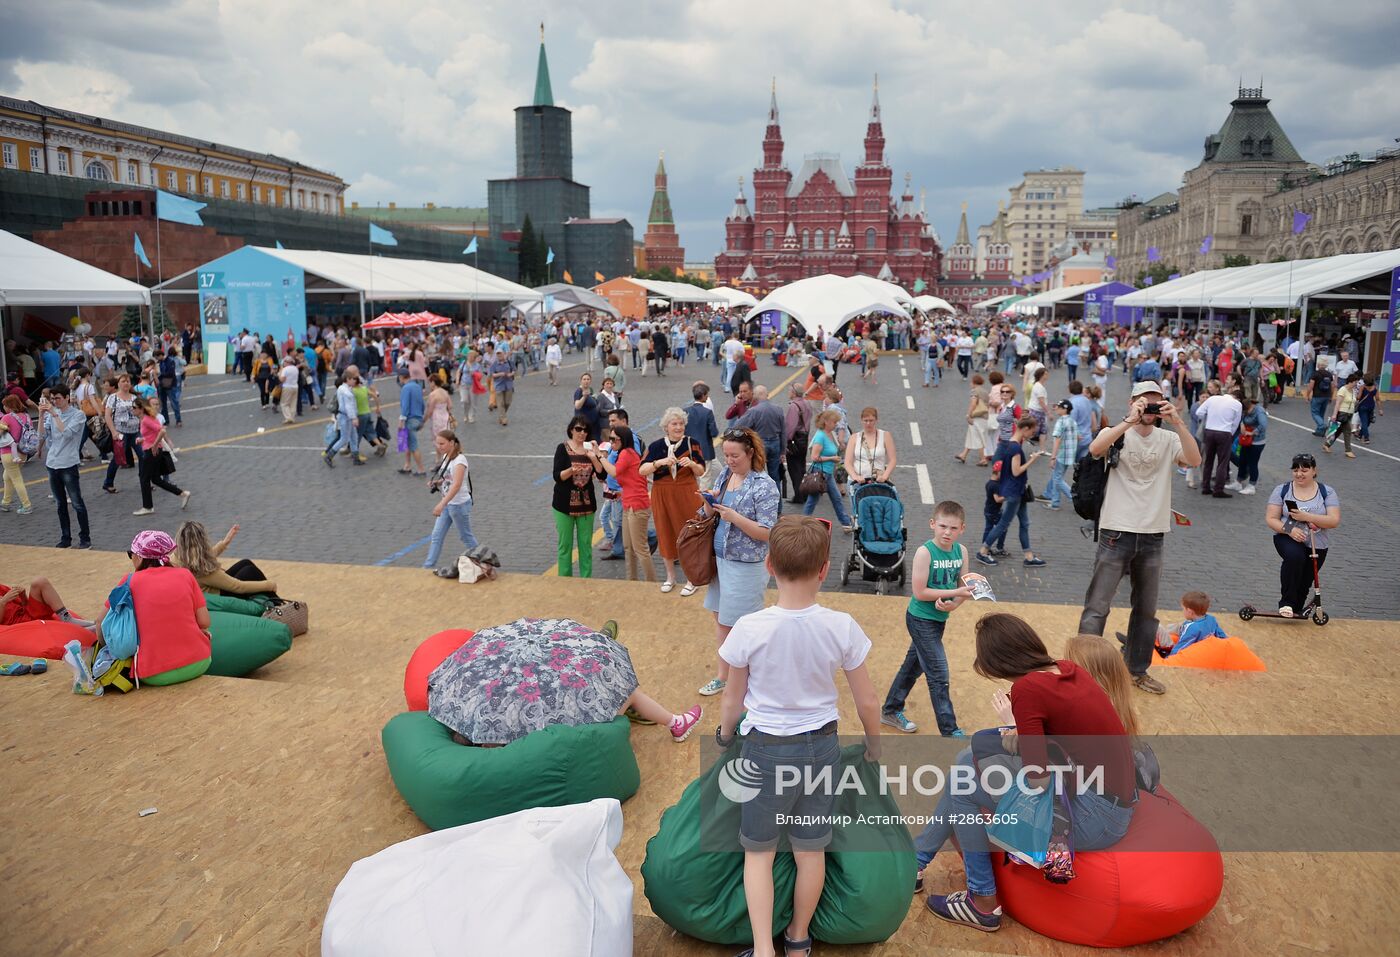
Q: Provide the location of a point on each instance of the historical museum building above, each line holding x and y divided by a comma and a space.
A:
821, 221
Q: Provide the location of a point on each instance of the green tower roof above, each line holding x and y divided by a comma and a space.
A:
544, 94
660, 201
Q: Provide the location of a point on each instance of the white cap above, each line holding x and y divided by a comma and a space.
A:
1146, 386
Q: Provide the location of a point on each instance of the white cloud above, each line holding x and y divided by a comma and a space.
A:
414, 104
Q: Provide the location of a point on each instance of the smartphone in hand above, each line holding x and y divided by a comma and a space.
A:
709, 498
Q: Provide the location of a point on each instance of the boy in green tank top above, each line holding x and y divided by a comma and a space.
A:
939, 565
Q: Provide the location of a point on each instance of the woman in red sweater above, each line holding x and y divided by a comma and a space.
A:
636, 504
1049, 700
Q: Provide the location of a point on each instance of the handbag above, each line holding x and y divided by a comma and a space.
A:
1028, 494
403, 438
695, 548
813, 483
294, 614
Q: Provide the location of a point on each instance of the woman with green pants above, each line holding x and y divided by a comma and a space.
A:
576, 466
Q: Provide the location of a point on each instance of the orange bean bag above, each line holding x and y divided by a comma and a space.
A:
430, 654
1163, 877
1223, 654
42, 639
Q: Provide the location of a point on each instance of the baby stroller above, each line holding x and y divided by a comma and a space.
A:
877, 548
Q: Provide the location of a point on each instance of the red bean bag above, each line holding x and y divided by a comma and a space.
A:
430, 654
1221, 654
1134, 892
42, 639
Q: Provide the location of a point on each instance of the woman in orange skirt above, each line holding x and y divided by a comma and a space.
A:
674, 464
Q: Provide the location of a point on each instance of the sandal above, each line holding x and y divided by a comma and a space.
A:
790, 945
961, 459
38, 666
688, 590
666, 587
404, 472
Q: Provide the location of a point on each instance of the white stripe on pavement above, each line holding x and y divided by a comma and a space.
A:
914, 436
321, 448
218, 405
909, 401
1356, 446
925, 484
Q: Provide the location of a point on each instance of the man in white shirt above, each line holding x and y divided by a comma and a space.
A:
965, 343
553, 358
1221, 415
1344, 366
1135, 519
733, 351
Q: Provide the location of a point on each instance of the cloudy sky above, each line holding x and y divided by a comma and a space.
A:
412, 102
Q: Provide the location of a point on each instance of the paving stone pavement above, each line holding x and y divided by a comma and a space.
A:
243, 466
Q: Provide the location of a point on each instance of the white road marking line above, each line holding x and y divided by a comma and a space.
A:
210, 395
914, 436
321, 448
218, 405
906, 383
909, 401
925, 484
1357, 446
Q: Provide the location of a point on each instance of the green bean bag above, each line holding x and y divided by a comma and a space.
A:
870, 867
233, 604
241, 643
447, 784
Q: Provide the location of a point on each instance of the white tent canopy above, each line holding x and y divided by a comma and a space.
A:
1273, 285
34, 275
933, 304
828, 301
994, 301
1052, 296
736, 297
678, 291
384, 278
890, 289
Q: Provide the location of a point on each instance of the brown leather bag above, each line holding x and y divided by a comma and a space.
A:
294, 614
695, 547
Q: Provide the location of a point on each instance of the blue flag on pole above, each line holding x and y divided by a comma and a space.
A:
471, 247
141, 252
1110, 262
1206, 244
1152, 254
549, 256
381, 236
1300, 221
1148, 280
278, 242
177, 209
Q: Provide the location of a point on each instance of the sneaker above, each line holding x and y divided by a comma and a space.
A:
1247, 490
1034, 562
381, 449
4, 508
185, 499
1351, 455
1233, 486
24, 510
328, 459
956, 733
897, 719
986, 559
712, 687
1000, 553
685, 723
1285, 611
957, 908
919, 883
144, 511
1053, 508
1149, 684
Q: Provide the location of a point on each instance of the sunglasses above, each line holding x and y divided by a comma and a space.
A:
579, 428
827, 523
736, 435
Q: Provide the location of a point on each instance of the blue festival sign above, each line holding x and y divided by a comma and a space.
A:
1099, 305
1392, 333
249, 289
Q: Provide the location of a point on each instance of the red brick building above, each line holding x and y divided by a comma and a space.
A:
962, 285
661, 244
820, 221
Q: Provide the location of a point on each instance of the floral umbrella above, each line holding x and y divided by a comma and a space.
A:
510, 680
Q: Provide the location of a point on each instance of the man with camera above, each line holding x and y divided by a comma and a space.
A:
61, 436
1135, 518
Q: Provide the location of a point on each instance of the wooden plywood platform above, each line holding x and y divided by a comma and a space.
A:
269, 788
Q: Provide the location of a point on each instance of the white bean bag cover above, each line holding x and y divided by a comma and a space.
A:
544, 880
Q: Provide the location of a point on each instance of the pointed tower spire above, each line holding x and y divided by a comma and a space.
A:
962, 239
773, 102
875, 101
999, 225
660, 201
544, 94
773, 135
875, 132
740, 211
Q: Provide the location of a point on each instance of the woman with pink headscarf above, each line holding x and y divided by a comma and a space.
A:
171, 618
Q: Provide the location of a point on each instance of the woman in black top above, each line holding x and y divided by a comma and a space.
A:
586, 405
576, 466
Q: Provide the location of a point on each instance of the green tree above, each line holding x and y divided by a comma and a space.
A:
1241, 260
532, 255
1159, 273
133, 323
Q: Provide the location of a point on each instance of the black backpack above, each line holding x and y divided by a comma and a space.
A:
1090, 482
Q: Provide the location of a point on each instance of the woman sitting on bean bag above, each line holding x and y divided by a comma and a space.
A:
1048, 698
171, 618
194, 552
39, 603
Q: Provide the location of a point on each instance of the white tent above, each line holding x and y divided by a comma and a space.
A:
1050, 297
995, 301
34, 275
930, 304
828, 301
894, 291
383, 278
736, 297
1273, 285
678, 291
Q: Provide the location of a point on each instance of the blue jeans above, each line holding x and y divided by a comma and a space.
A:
1367, 416
932, 373
1249, 464
1058, 483
610, 518
349, 435
1098, 823
991, 517
170, 401
925, 656
727, 374
834, 494
1317, 405
133, 456
1139, 556
459, 515
64, 485
1010, 510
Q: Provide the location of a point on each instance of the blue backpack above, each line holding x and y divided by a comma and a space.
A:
119, 624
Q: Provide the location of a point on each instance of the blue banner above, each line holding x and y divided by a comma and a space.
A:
177, 209
1392, 334
381, 236
248, 289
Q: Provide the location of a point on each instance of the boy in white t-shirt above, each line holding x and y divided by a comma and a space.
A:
553, 357
782, 665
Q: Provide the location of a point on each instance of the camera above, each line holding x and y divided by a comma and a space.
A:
435, 486
1152, 408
